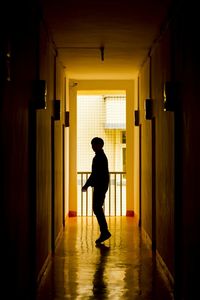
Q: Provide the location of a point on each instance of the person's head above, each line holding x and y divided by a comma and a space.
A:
97, 144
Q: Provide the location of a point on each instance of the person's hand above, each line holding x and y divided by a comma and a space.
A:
84, 189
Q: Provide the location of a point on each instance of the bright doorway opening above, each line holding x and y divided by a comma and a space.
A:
103, 115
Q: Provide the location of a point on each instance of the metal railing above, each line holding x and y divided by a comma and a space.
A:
115, 200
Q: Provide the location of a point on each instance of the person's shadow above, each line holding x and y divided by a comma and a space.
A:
99, 283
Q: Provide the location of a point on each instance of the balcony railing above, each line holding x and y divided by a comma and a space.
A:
115, 201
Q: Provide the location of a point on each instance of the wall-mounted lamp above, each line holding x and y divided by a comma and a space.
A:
57, 110
102, 53
148, 109
170, 94
67, 119
73, 84
40, 94
136, 118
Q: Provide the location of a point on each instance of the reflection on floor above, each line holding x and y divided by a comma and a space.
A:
121, 268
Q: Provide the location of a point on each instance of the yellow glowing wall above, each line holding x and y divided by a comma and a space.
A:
103, 86
136, 159
66, 154
72, 149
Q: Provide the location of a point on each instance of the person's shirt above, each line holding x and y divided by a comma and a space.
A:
99, 178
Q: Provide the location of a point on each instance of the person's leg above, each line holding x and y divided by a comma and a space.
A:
98, 200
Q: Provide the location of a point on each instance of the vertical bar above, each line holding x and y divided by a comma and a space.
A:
110, 194
63, 163
32, 191
120, 194
104, 207
86, 208
115, 193
81, 195
140, 175
153, 184
92, 201
53, 186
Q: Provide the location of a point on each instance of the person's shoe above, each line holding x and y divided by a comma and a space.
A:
103, 237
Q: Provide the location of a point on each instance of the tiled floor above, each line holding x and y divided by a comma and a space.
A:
121, 268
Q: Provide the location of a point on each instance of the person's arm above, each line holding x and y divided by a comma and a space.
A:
88, 183
90, 180
84, 188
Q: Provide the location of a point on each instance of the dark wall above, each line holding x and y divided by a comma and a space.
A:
164, 152
146, 151
49, 155
29, 152
157, 148
19, 39
44, 175
174, 58
186, 74
58, 152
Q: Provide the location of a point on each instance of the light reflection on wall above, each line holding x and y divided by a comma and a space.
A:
115, 112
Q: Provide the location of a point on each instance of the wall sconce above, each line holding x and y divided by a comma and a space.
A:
148, 109
57, 110
40, 94
170, 93
136, 118
67, 119
102, 53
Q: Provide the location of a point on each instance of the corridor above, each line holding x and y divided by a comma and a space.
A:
121, 268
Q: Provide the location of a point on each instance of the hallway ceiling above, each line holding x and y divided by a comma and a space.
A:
126, 29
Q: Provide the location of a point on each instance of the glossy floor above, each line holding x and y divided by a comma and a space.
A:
121, 268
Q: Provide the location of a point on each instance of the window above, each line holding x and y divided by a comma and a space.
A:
115, 112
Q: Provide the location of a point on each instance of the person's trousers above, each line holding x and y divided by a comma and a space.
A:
98, 201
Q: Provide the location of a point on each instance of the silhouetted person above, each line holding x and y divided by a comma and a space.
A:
99, 180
